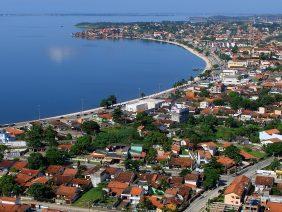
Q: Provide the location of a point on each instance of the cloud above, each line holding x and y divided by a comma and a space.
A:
59, 54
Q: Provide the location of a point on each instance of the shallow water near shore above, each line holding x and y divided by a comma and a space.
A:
44, 68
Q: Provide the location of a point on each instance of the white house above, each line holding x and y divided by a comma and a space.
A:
204, 105
270, 134
229, 77
143, 105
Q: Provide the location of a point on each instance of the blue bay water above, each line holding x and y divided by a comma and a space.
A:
42, 64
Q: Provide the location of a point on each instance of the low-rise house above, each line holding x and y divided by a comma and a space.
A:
53, 170
5, 165
9, 204
70, 172
99, 176
228, 163
19, 165
82, 184
203, 157
234, 194
192, 180
125, 177
136, 152
182, 163
263, 183
210, 147
42, 180
133, 194
270, 134
115, 188
66, 194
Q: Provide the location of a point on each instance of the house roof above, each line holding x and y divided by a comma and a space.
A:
246, 155
264, 180
30, 172
274, 206
14, 208
54, 169
41, 180
60, 179
125, 177
205, 154
22, 179
238, 185
176, 180
182, 162
117, 187
136, 191
19, 165
68, 191
154, 200
226, 161
14, 131
192, 177
272, 131
81, 182
70, 172
6, 164
209, 144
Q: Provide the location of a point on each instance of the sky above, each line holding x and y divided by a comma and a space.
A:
143, 6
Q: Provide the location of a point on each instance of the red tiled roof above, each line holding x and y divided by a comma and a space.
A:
68, 191
226, 161
182, 162
136, 191
272, 131
41, 180
125, 177
70, 172
117, 187
274, 206
238, 185
19, 165
14, 131
264, 180
22, 179
54, 169
30, 172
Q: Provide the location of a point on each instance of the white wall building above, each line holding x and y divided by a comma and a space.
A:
143, 105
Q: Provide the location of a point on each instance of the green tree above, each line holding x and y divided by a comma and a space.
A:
50, 136
275, 164
211, 177
132, 165
184, 172
204, 93
274, 149
234, 153
146, 205
40, 192
36, 161
56, 157
83, 145
117, 115
35, 137
90, 127
151, 155
3, 148
8, 186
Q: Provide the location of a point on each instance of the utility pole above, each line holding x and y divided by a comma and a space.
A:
39, 112
82, 105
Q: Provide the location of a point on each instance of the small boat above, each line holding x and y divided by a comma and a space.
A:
196, 69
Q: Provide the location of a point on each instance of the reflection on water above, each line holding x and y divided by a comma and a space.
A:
59, 54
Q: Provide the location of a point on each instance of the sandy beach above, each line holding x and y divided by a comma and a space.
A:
193, 51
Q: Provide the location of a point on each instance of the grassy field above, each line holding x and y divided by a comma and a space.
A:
258, 154
89, 197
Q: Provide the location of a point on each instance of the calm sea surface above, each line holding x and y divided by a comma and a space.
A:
43, 66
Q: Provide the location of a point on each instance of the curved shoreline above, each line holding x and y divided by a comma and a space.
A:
154, 95
191, 50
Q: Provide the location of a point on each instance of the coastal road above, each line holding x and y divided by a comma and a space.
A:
200, 202
68, 208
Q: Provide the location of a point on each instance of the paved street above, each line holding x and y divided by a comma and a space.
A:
200, 202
